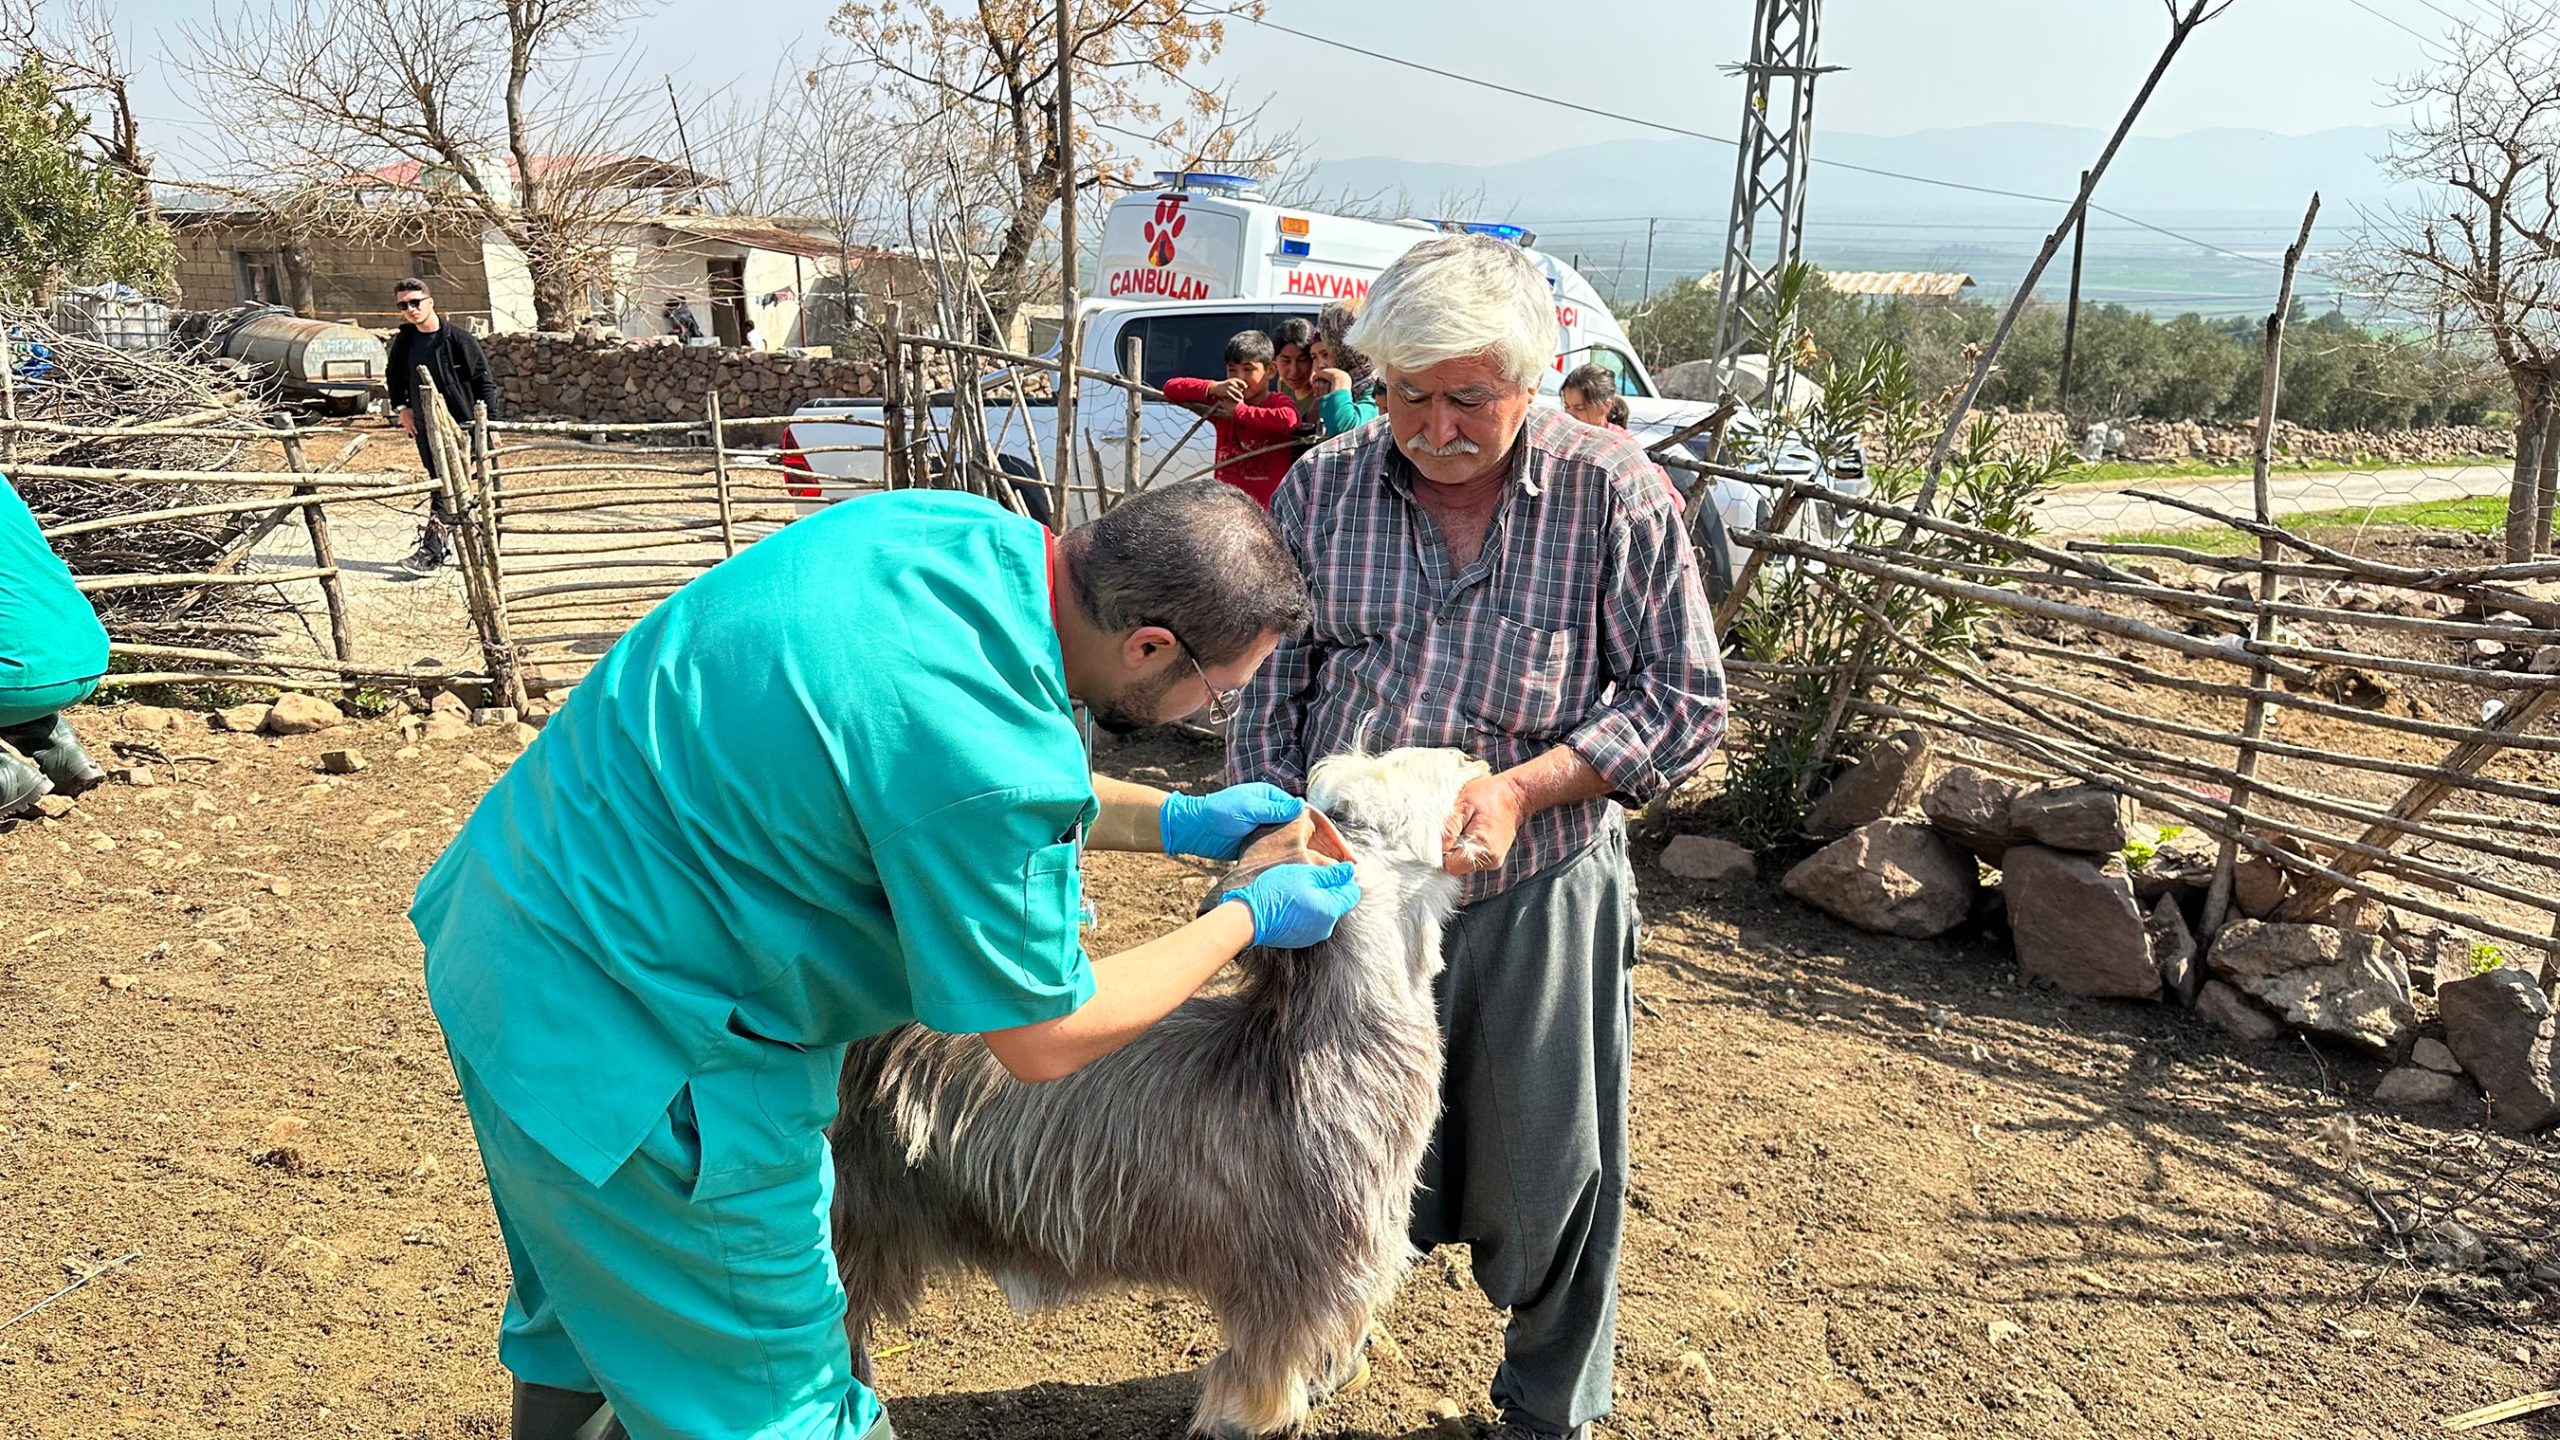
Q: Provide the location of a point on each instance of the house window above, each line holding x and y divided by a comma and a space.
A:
426, 264
258, 276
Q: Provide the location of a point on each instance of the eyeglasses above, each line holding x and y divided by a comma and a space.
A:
1222, 703
410, 304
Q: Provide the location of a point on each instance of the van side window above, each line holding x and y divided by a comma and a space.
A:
1617, 364
1189, 343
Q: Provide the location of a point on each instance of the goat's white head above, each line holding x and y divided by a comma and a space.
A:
1399, 799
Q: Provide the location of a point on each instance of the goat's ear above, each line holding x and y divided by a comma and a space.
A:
1241, 875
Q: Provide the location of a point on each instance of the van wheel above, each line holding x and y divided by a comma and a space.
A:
1027, 487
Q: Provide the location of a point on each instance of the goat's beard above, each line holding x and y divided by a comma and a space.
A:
1135, 708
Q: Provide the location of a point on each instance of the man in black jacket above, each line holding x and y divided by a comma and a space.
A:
455, 362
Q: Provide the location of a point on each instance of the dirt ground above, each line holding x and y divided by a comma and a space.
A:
1881, 1187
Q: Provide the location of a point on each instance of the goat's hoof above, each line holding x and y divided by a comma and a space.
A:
1324, 1388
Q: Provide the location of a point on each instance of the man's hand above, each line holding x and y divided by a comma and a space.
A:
1482, 826
408, 419
1214, 826
1295, 906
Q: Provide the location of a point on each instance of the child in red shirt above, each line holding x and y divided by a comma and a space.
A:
1253, 425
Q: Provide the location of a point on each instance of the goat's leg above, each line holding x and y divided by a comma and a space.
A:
1281, 1359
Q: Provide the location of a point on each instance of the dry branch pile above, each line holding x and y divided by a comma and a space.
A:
80, 404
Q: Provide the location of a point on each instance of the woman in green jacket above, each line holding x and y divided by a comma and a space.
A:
52, 653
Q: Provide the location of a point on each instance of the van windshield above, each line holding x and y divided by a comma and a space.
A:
1190, 342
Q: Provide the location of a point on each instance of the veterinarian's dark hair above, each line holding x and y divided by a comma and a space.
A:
1250, 347
1200, 558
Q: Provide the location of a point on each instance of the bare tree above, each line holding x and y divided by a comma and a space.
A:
975, 86
76, 42
475, 107
2482, 252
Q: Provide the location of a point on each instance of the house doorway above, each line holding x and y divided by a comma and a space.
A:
728, 300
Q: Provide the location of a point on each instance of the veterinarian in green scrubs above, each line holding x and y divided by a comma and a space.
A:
52, 653
832, 786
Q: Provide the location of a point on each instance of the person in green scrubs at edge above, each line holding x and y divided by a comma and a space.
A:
832, 786
52, 653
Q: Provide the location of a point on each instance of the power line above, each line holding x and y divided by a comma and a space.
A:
2388, 20
1626, 119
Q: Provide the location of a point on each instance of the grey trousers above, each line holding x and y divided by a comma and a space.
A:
1529, 1165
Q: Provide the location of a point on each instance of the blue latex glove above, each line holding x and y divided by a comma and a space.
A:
1295, 906
1214, 826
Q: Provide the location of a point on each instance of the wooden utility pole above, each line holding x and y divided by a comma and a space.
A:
1649, 223
2071, 312
1068, 339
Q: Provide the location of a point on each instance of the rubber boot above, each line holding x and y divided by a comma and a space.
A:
543, 1412
56, 751
21, 785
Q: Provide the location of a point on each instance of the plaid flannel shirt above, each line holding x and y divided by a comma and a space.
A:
1580, 623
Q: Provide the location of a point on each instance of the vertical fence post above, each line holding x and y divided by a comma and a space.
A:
8, 396
893, 401
2253, 722
1068, 338
1136, 373
324, 551
720, 471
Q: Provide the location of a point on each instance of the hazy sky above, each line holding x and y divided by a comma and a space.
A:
2285, 65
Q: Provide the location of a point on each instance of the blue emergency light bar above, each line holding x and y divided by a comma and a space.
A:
1295, 247
1207, 180
1515, 234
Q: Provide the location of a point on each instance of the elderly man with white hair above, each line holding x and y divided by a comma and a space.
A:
1508, 581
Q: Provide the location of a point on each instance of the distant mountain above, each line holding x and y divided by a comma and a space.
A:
2161, 178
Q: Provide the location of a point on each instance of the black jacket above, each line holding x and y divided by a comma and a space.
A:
458, 366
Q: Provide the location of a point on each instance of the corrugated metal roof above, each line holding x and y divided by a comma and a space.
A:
1918, 284
1927, 284
751, 233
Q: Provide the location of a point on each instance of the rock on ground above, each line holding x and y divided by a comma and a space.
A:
1707, 857
2327, 981
1885, 781
2433, 1054
2417, 1088
2259, 885
2088, 818
2500, 1027
2231, 1010
2076, 923
241, 719
295, 713
1972, 808
2173, 949
1895, 877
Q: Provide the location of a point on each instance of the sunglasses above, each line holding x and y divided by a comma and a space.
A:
410, 304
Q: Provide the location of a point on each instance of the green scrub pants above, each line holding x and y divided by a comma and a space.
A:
22, 703
717, 1319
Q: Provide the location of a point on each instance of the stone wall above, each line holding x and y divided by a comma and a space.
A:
2172, 440
564, 377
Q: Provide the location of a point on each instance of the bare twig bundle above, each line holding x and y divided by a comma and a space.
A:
77, 403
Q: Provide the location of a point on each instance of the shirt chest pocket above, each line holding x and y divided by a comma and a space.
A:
1516, 686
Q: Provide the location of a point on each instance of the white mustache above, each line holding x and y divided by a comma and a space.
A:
1459, 446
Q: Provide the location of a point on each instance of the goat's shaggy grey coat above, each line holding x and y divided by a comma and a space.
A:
1257, 1149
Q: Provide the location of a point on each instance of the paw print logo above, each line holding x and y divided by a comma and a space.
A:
1161, 230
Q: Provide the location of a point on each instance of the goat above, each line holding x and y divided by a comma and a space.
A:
1256, 1148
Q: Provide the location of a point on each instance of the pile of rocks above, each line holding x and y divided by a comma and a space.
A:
2099, 904
639, 381
2234, 442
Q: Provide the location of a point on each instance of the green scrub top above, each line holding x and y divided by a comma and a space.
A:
831, 786
49, 635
